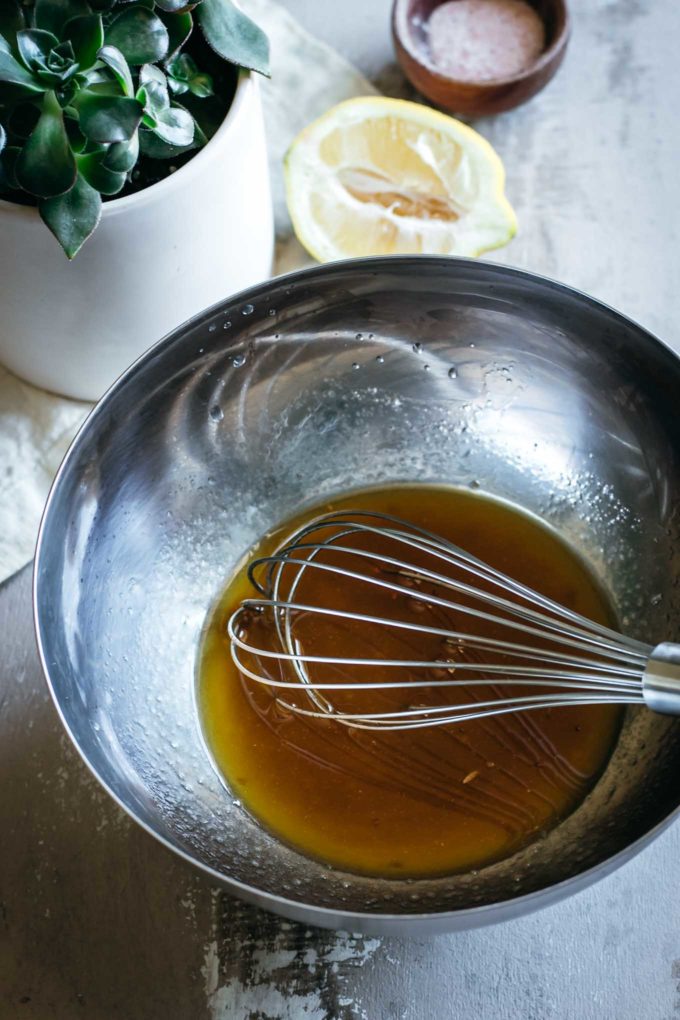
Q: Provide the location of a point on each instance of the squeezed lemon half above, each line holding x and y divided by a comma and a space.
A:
378, 176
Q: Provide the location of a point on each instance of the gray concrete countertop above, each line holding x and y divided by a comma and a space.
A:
98, 921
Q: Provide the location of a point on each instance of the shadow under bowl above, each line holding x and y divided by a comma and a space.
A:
475, 98
313, 384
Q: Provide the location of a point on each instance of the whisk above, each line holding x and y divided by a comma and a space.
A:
531, 653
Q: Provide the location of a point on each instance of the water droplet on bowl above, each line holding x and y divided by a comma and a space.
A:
453, 372
272, 311
359, 336
247, 310
238, 360
380, 359
216, 412
212, 327
417, 348
355, 364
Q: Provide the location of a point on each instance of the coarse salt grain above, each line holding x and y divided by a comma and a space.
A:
480, 40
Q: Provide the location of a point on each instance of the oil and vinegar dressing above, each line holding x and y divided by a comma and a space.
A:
413, 802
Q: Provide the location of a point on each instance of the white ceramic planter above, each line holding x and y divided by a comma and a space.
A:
157, 258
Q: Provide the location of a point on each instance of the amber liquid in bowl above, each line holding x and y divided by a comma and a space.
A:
420, 802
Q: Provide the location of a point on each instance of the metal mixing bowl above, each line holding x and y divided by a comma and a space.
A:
345, 376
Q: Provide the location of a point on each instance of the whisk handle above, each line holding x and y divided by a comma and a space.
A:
661, 679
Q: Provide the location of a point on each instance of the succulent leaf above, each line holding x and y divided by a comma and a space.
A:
155, 86
72, 217
140, 35
52, 15
200, 138
86, 35
52, 63
155, 148
46, 166
107, 182
122, 156
15, 73
114, 59
184, 76
201, 86
77, 139
180, 27
233, 35
175, 126
106, 118
11, 21
67, 91
35, 46
174, 6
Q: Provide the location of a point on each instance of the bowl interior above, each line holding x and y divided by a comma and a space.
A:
411, 24
336, 378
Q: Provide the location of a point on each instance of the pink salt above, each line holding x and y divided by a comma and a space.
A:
479, 40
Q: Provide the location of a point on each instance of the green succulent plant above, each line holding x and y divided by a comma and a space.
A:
90, 87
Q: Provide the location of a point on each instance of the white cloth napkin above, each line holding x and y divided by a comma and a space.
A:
36, 427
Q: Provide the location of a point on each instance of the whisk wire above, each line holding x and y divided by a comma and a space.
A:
433, 716
565, 634
437, 546
574, 660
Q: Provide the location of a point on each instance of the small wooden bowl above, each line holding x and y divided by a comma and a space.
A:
475, 99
